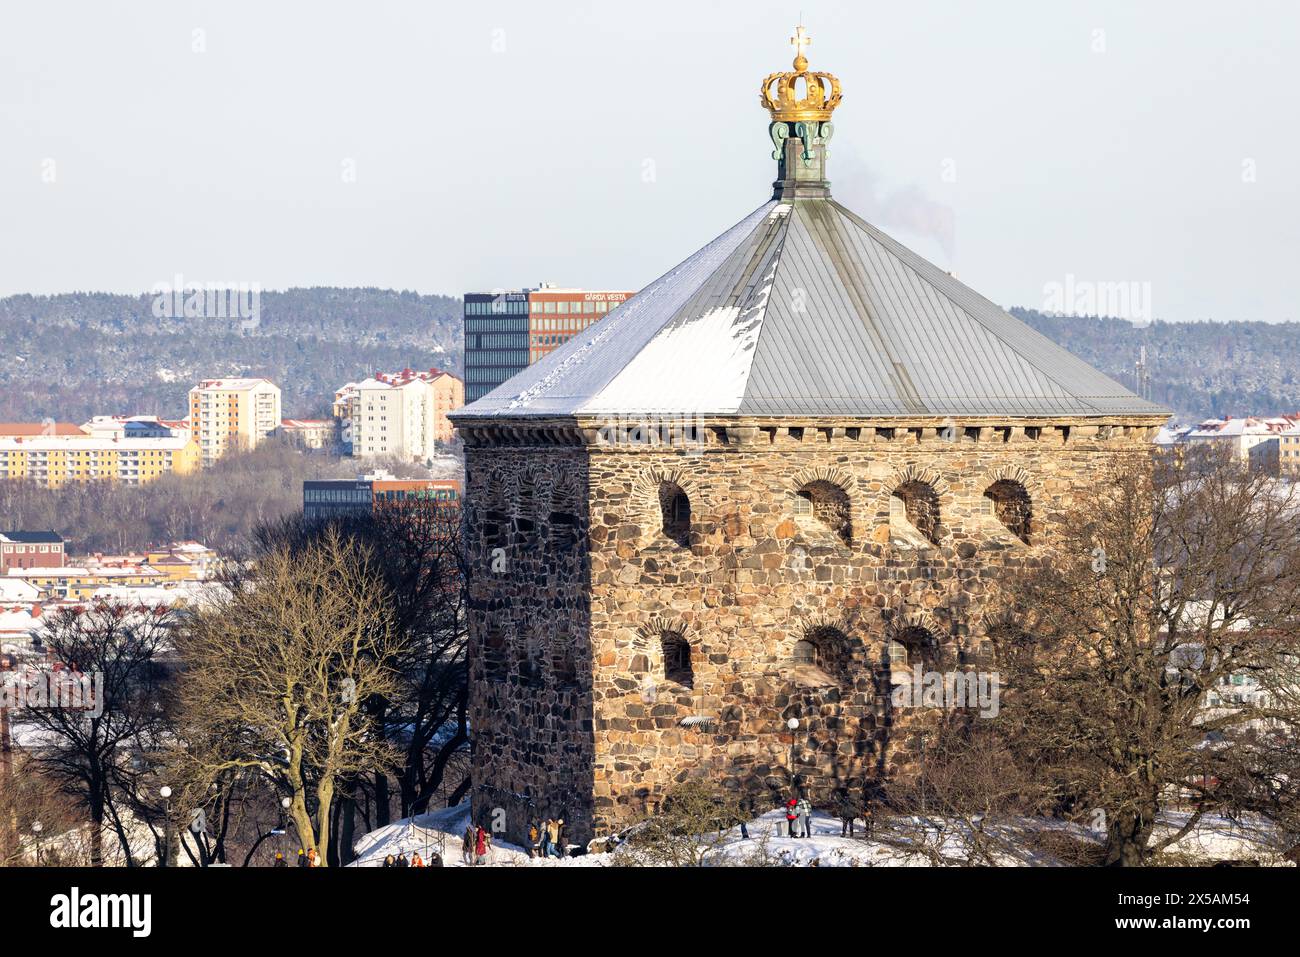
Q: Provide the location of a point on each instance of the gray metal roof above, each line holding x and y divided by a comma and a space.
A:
804, 309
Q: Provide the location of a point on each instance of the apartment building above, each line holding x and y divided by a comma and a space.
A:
82, 581
31, 550
58, 460
231, 414
1288, 453
87, 576
401, 414
1270, 444
310, 433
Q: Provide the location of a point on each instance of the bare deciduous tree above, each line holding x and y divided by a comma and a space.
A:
417, 550
97, 749
688, 827
1162, 587
276, 677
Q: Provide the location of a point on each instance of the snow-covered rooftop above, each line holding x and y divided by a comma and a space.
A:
804, 309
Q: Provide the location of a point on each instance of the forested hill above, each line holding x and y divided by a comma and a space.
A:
74, 355
1198, 369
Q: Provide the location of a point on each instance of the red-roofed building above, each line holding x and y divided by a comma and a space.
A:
399, 413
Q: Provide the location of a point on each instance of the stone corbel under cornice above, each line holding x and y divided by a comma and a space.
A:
713, 434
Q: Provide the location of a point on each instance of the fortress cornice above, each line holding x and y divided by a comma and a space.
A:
644, 433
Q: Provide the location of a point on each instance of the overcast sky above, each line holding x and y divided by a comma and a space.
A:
447, 147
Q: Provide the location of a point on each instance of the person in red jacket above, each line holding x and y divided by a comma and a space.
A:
482, 841
791, 815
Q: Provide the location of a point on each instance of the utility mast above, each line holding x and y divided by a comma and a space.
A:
1142, 374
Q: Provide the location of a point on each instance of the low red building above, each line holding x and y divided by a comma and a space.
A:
31, 550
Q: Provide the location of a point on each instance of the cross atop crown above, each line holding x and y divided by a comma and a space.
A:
799, 41
801, 95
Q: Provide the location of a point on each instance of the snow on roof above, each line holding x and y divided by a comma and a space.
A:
188, 546
84, 571
232, 385
177, 593
1170, 435
17, 590
16, 622
105, 443
804, 309
1249, 425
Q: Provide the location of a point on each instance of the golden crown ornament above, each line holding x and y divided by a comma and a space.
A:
800, 102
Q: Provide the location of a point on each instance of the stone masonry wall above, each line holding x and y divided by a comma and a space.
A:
758, 577
580, 700
529, 644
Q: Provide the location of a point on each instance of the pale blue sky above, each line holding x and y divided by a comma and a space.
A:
596, 144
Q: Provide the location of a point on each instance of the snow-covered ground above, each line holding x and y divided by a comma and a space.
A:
901, 842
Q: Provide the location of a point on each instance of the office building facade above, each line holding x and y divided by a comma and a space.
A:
505, 332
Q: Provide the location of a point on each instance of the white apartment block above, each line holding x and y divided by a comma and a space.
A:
1288, 452
1271, 444
394, 418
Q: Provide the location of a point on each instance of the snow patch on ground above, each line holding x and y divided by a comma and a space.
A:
900, 843
903, 842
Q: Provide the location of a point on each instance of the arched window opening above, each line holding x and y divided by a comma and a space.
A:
914, 646
828, 505
821, 657
495, 665
496, 529
1012, 507
528, 661
675, 510
525, 518
565, 665
917, 503
564, 530
677, 659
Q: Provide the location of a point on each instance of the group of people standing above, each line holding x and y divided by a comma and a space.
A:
305, 859
476, 844
848, 810
547, 839
798, 816
435, 860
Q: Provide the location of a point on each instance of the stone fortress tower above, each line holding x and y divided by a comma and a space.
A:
783, 471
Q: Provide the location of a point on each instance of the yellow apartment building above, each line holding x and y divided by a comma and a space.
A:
57, 460
78, 582
230, 414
